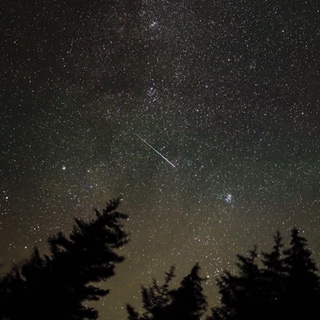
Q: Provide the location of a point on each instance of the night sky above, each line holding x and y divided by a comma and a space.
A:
227, 91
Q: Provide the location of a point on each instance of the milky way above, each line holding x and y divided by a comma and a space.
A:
227, 91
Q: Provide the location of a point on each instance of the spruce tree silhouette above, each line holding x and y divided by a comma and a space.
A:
57, 285
302, 291
187, 302
273, 280
155, 300
240, 294
283, 286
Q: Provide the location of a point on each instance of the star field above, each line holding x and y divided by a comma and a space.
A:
228, 92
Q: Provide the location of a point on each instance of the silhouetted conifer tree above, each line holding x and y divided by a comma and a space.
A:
273, 279
240, 294
56, 286
187, 302
273, 261
155, 300
283, 286
302, 292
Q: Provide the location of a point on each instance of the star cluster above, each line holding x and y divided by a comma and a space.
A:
228, 92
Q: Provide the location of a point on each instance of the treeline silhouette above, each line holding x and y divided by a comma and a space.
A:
57, 285
280, 284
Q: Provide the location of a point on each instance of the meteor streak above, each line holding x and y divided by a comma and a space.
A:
161, 155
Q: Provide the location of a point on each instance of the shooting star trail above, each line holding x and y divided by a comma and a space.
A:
161, 155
